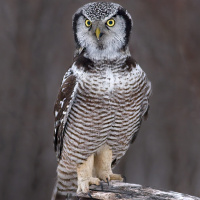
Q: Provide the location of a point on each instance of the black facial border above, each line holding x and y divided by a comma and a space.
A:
128, 21
74, 25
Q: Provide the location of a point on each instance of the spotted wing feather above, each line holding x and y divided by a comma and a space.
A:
61, 110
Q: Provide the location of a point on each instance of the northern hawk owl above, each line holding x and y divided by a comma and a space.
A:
102, 99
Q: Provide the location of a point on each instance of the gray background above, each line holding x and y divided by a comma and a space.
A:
36, 48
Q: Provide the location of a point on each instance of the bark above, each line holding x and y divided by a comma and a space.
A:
125, 191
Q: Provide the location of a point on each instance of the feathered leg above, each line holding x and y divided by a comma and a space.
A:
102, 165
84, 173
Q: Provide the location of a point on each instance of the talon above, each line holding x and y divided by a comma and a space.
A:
107, 181
101, 184
90, 195
124, 178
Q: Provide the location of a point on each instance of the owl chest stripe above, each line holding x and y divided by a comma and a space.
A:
99, 97
106, 108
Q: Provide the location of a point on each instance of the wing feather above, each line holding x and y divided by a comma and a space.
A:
146, 93
62, 108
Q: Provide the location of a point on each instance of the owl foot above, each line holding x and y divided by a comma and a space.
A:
83, 185
105, 176
102, 165
84, 173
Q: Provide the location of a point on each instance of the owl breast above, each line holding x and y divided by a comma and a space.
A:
107, 109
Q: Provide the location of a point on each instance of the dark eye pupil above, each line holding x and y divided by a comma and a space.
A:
88, 23
110, 22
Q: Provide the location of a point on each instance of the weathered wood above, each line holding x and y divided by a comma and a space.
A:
125, 191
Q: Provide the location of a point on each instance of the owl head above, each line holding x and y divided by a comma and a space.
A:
102, 29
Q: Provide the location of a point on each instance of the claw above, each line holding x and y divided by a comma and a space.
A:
124, 178
90, 195
101, 184
107, 181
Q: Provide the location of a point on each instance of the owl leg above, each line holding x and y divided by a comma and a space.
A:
102, 164
84, 173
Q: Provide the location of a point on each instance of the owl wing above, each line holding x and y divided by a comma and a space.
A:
145, 93
62, 108
145, 86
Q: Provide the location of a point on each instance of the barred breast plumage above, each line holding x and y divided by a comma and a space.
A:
107, 107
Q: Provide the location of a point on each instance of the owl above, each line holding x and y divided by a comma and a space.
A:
102, 100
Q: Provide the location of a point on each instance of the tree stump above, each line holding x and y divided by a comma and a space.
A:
126, 191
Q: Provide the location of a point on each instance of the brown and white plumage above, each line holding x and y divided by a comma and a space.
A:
102, 99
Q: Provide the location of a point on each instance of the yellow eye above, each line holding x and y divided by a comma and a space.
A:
111, 22
88, 23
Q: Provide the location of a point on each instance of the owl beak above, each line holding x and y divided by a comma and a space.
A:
98, 33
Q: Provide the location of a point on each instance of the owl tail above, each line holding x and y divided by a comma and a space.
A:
57, 196
54, 194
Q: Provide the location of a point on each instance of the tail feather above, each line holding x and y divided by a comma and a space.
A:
54, 194
57, 196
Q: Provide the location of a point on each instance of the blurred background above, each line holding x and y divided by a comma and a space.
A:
36, 48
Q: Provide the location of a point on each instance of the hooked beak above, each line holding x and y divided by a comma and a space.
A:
98, 32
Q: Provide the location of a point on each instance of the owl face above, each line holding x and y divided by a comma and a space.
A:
102, 29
